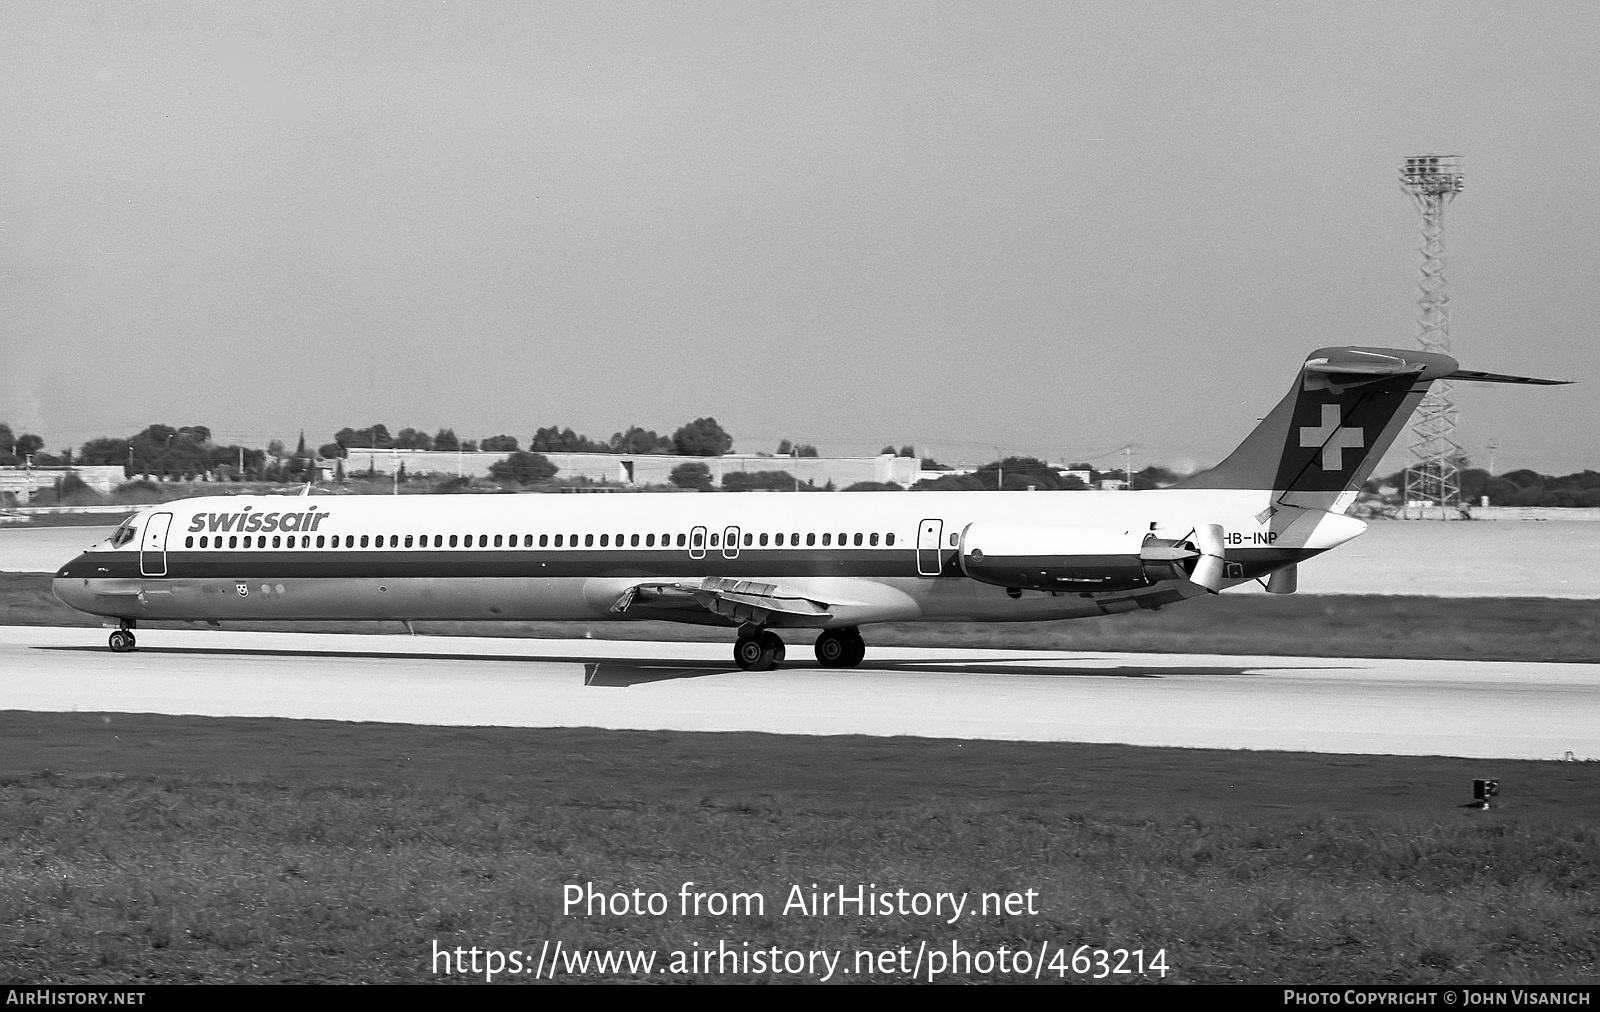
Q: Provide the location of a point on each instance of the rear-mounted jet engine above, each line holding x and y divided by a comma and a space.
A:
1040, 557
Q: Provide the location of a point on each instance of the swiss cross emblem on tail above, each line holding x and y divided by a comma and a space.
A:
1332, 437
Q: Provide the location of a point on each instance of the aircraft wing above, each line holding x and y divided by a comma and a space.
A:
736, 600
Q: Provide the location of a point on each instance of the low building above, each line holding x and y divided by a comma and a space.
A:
636, 469
20, 484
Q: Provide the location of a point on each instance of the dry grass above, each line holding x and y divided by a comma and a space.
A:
347, 864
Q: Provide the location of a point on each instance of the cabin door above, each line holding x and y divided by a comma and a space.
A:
153, 549
928, 534
730, 543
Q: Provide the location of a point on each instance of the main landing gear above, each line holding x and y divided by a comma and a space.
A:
122, 640
760, 649
840, 648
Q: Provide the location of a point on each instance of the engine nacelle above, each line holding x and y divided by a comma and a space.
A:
1086, 559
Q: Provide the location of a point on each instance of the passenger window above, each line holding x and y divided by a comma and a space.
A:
559, 539
827, 539
497, 541
438, 541
452, 541
544, 540
844, 539
858, 541
363, 541
527, 541
953, 540
247, 541
319, 541
714, 540
811, 539
188, 542
634, 540
233, 542
649, 540
888, 539
588, 540
408, 541
763, 540
747, 540
276, 541
604, 539
873, 540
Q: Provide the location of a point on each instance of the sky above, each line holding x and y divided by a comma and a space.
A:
1049, 229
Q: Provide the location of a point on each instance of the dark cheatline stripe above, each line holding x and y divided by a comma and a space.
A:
251, 564
248, 564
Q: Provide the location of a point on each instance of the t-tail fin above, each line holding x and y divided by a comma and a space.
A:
1344, 411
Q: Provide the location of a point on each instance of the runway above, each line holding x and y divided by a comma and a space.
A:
1397, 707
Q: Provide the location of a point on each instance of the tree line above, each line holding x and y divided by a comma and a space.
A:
190, 450
1515, 488
702, 437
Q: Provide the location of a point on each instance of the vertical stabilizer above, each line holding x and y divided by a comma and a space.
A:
1327, 435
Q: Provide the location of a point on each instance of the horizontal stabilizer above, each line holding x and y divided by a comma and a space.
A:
1473, 376
1379, 366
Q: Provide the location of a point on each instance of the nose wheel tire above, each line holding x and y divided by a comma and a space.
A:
761, 652
840, 648
122, 642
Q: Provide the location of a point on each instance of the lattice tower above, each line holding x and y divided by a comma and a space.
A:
1434, 475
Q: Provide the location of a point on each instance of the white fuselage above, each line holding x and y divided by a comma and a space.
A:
871, 556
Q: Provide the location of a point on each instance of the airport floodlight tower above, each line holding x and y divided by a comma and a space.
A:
1434, 475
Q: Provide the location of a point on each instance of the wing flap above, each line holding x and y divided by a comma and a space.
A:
735, 600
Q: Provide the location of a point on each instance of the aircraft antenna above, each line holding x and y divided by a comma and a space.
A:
1434, 476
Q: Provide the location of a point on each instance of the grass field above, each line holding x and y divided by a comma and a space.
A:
149, 848
1522, 629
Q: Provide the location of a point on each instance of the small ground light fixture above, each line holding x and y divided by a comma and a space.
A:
1483, 790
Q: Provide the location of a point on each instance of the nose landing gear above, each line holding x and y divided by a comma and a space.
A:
122, 640
840, 648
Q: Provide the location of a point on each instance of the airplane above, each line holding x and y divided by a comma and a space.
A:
764, 563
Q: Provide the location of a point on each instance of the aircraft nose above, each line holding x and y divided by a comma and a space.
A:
72, 591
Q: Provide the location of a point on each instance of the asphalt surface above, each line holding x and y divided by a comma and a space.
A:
1397, 707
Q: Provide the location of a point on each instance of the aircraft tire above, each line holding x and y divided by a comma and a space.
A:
858, 650
773, 642
122, 641
832, 649
752, 654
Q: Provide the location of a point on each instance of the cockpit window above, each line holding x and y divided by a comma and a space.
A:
122, 535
